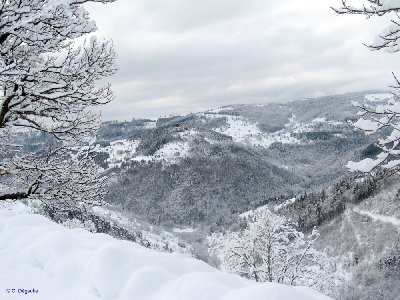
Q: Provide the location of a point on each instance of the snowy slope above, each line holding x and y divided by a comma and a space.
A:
168, 154
150, 236
379, 97
278, 207
378, 217
60, 263
120, 151
246, 132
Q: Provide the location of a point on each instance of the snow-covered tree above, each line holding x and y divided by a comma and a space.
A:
49, 82
271, 249
386, 115
58, 178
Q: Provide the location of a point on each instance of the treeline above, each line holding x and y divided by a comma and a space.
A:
314, 208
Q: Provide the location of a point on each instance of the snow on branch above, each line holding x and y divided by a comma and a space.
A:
368, 7
389, 37
58, 178
49, 84
379, 118
46, 93
383, 118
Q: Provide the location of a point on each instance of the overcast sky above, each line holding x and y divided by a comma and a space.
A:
180, 56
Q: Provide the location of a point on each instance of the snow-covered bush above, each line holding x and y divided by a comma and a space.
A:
271, 249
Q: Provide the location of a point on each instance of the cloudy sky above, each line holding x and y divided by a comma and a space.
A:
180, 56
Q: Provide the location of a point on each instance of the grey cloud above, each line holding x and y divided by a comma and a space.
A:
179, 56
183, 15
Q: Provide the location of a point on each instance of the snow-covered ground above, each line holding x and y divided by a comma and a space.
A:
153, 237
218, 110
379, 217
125, 150
250, 213
43, 260
150, 124
246, 132
284, 204
183, 230
120, 151
170, 153
379, 97
297, 127
264, 207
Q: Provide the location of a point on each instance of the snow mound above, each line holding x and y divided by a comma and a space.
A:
49, 261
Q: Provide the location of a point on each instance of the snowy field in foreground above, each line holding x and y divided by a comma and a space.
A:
68, 264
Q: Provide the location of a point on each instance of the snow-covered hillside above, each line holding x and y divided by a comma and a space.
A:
122, 151
246, 132
150, 236
48, 262
275, 208
261, 126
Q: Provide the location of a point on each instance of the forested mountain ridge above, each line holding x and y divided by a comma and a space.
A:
204, 173
207, 167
